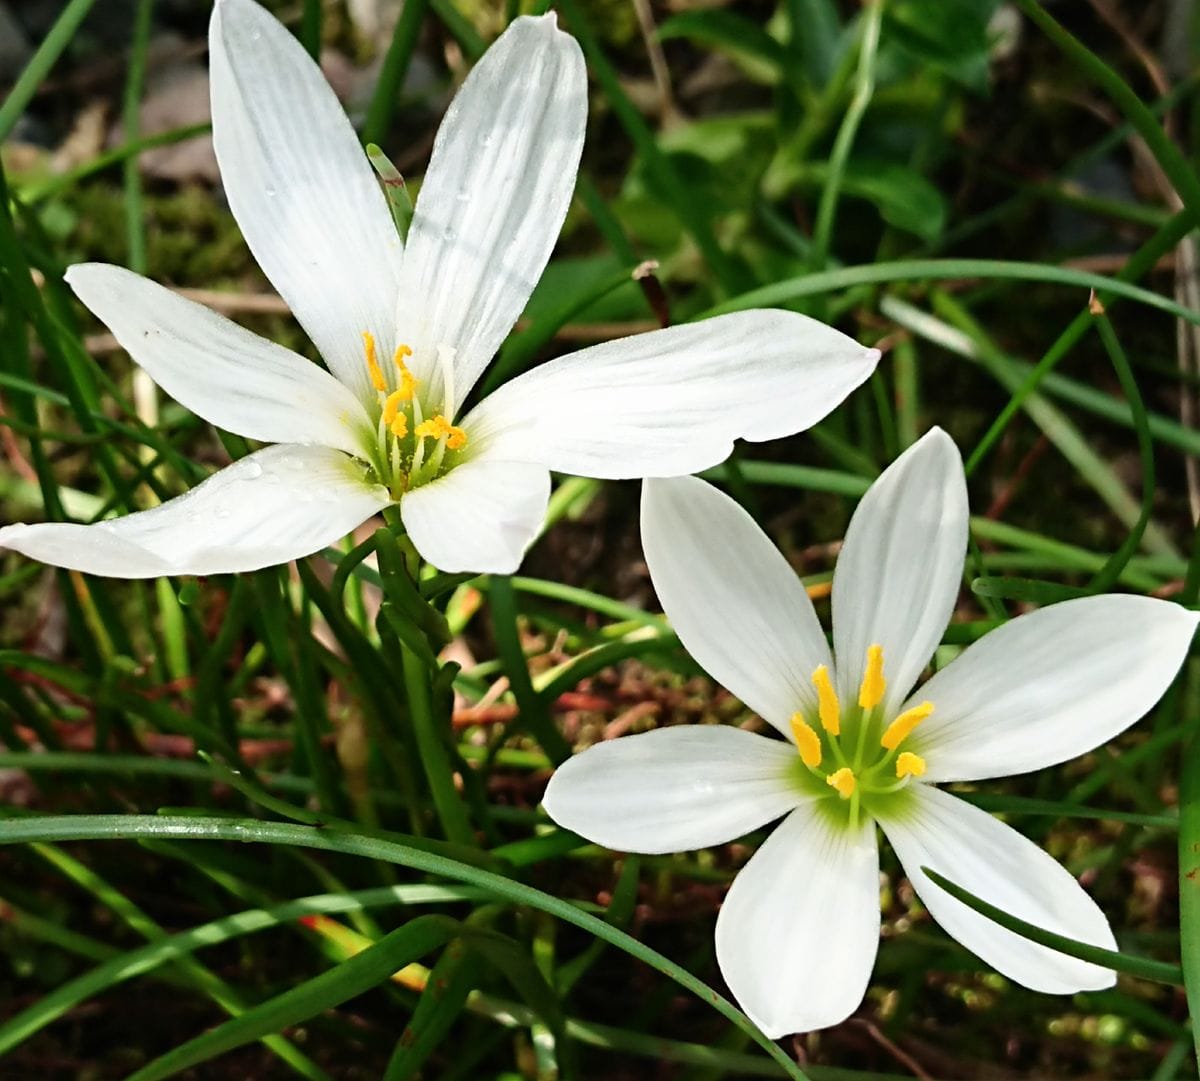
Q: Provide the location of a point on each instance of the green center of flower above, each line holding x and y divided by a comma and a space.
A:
853, 754
415, 443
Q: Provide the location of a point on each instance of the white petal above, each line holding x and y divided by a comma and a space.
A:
736, 604
674, 789
494, 198
480, 516
798, 932
277, 504
995, 863
219, 370
301, 188
1051, 685
673, 401
900, 569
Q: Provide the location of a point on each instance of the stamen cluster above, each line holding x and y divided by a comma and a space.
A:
860, 772
403, 427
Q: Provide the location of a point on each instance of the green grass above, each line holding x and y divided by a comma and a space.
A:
289, 818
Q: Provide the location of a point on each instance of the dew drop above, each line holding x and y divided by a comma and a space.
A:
485, 139
223, 512
252, 470
449, 234
464, 195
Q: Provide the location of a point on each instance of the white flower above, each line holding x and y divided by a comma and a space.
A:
798, 933
407, 330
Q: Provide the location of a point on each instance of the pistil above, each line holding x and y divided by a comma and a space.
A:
404, 461
858, 781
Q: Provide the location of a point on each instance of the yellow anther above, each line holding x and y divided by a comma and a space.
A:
377, 380
391, 406
828, 708
808, 743
408, 381
440, 428
909, 765
399, 426
901, 728
844, 781
870, 694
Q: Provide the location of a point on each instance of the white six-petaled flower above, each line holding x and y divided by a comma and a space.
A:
798, 932
406, 331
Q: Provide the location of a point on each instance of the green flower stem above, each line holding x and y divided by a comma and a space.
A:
1189, 882
42, 61
395, 67
450, 808
418, 662
864, 87
535, 708
1107, 576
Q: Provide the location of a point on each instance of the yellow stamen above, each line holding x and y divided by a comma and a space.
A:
870, 694
439, 427
399, 426
843, 780
901, 728
377, 380
408, 381
808, 743
909, 765
391, 406
828, 708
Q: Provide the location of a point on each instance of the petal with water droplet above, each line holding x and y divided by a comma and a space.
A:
278, 504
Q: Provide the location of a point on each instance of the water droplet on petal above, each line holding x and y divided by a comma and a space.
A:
464, 195
485, 139
223, 512
251, 470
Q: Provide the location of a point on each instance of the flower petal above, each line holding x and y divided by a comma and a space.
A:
1051, 685
494, 198
673, 401
899, 572
272, 506
481, 516
994, 862
301, 188
736, 604
799, 930
674, 789
219, 370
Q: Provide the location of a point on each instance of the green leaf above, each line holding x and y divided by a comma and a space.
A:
1189, 883
184, 827
1143, 967
352, 977
951, 35
903, 196
758, 54
450, 982
1025, 589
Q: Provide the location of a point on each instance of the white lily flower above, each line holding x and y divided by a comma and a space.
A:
406, 332
798, 932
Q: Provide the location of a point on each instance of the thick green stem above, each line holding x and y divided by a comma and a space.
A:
451, 810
